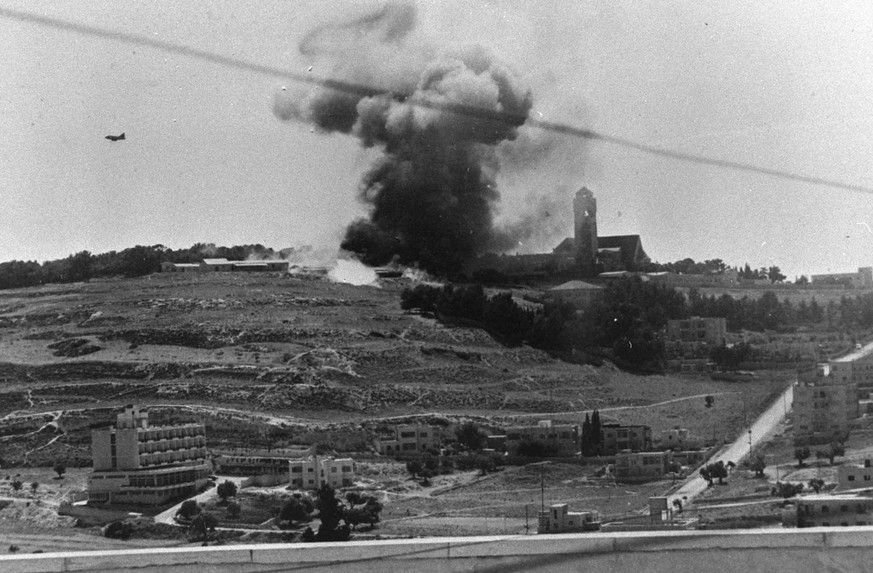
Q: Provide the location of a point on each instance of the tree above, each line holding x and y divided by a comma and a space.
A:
79, 267
426, 475
331, 513
758, 466
414, 467
801, 454
188, 509
775, 275
234, 510
708, 401
293, 511
786, 489
713, 471
469, 436
17, 485
816, 484
354, 498
202, 525
365, 513
836, 449
60, 469
34, 486
225, 490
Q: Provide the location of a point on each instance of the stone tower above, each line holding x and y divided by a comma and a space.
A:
585, 213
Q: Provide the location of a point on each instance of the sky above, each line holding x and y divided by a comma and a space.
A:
781, 85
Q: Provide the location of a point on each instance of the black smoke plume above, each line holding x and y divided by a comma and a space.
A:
437, 118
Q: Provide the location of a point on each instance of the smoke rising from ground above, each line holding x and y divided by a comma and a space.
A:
432, 191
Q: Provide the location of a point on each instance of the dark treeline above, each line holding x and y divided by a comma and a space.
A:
132, 262
627, 322
767, 313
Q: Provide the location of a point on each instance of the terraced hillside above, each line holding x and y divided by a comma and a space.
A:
288, 355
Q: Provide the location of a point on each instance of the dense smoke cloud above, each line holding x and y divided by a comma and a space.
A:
438, 117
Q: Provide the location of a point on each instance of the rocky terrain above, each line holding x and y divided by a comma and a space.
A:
288, 355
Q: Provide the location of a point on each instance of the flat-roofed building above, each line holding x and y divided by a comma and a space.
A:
313, 471
861, 279
642, 466
833, 510
563, 439
559, 519
167, 267
135, 463
216, 265
264, 467
617, 437
825, 402
855, 476
409, 440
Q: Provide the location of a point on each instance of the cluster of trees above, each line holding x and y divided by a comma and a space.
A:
498, 314
713, 266
627, 319
592, 438
338, 518
132, 262
717, 470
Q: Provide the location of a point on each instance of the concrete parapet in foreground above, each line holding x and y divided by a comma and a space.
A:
808, 550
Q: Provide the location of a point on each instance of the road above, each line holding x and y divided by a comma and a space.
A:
739, 449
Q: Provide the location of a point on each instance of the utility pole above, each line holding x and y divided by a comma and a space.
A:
750, 443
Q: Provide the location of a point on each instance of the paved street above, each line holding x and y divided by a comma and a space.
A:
739, 449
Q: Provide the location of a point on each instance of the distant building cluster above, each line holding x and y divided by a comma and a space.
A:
225, 266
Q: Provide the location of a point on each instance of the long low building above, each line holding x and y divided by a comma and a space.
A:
226, 266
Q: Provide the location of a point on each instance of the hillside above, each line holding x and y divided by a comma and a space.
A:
280, 358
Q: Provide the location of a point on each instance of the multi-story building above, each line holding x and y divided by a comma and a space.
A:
694, 338
562, 438
833, 510
409, 440
855, 476
263, 467
558, 519
825, 402
616, 437
312, 472
643, 466
135, 463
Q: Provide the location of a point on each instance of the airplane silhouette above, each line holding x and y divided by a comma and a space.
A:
115, 137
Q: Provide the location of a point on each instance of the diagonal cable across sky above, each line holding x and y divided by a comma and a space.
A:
372, 91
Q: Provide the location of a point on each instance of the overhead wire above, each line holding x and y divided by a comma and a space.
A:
374, 91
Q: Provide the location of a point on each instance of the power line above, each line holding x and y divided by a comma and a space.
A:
370, 91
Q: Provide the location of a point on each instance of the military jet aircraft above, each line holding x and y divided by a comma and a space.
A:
115, 137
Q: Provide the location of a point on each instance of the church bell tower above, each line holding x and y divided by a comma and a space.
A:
585, 213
